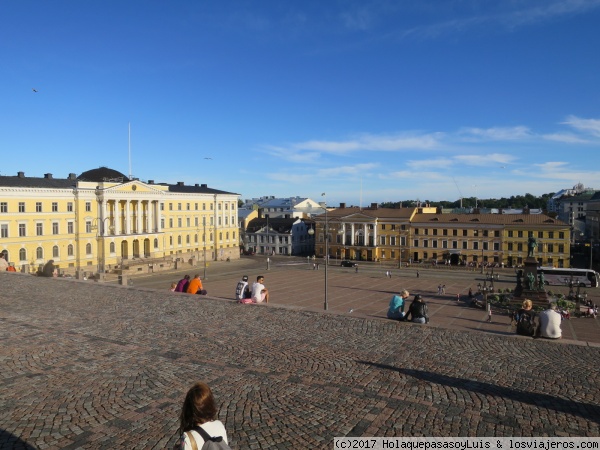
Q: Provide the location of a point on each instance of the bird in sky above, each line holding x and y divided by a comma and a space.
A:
34, 89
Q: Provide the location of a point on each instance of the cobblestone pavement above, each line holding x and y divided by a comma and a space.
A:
91, 365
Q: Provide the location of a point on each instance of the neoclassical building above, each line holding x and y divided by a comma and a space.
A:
426, 234
101, 219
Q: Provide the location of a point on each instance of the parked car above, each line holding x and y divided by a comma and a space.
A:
348, 264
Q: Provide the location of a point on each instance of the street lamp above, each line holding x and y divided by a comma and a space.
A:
483, 289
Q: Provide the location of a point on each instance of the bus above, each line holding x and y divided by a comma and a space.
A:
564, 277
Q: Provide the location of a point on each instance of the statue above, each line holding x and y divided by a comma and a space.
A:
541, 281
531, 281
531, 246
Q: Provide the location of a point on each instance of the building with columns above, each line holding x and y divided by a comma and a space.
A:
101, 220
425, 234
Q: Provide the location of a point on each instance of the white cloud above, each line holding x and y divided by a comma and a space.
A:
438, 163
590, 126
348, 170
496, 133
485, 159
565, 138
369, 142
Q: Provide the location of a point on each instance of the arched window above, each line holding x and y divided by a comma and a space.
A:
55, 251
88, 249
39, 253
178, 240
70, 250
155, 242
23, 254
111, 247
187, 239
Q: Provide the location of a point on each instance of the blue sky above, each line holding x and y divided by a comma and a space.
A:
366, 101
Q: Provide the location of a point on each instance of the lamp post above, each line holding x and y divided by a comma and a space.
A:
483, 289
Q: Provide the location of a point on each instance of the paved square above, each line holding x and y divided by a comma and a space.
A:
92, 365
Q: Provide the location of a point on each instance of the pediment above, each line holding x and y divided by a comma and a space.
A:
133, 187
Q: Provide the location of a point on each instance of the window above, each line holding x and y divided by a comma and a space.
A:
88, 206
510, 233
111, 247
88, 226
178, 206
561, 248
39, 253
510, 246
454, 244
162, 223
496, 246
23, 254
21, 207
464, 245
162, 206
170, 223
454, 232
188, 221
70, 227
465, 232
187, 239
551, 234
382, 240
155, 242
179, 222
196, 206
519, 234
540, 234
475, 245
22, 230
54, 227
70, 250
4, 230
170, 206
444, 244
54, 206
69, 206
497, 233
445, 232
88, 249
550, 248
3, 207
55, 251
561, 235
426, 231
38, 206
416, 243
188, 206
178, 240
383, 226
416, 231
435, 231
39, 229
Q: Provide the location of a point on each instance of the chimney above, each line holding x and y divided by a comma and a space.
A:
72, 176
373, 205
21, 174
342, 205
196, 185
150, 181
48, 176
204, 185
180, 183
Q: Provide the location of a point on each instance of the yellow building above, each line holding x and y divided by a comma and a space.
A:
425, 234
101, 220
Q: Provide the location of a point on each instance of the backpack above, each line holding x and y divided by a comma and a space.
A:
210, 442
526, 324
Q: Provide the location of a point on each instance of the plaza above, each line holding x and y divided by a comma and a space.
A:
98, 365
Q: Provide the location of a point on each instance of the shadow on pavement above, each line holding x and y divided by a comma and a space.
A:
9, 440
584, 410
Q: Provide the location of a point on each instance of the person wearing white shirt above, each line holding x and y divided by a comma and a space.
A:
259, 292
549, 323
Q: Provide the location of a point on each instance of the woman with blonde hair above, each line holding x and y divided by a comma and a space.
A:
198, 419
525, 319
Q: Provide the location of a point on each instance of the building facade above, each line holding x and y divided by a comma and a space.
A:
426, 235
101, 220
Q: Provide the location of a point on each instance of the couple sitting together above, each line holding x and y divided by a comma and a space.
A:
417, 311
257, 294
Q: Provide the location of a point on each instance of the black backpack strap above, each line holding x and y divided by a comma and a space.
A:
207, 437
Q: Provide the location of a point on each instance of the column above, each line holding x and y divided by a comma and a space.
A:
138, 216
127, 217
118, 228
352, 234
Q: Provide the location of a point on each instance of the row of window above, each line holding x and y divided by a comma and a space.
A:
188, 206
39, 207
188, 222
